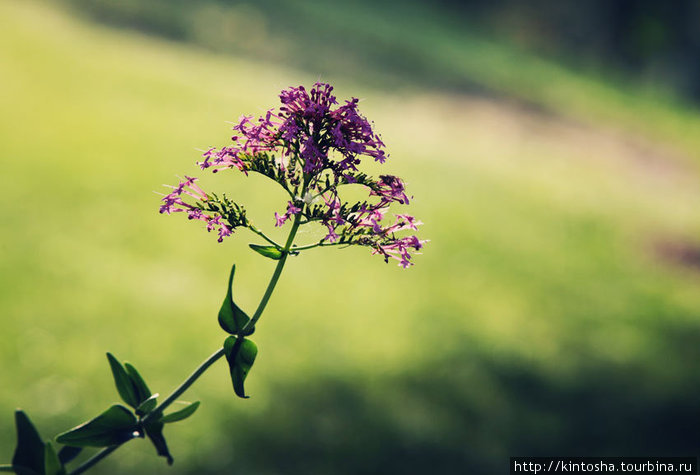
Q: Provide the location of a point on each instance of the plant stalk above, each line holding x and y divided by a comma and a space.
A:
202, 368
184, 386
275, 275
94, 459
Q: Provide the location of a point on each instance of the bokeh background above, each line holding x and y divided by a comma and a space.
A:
553, 149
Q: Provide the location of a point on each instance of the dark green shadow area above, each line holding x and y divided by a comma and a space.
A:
466, 413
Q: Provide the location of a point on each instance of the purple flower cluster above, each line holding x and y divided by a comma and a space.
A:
173, 203
311, 145
306, 129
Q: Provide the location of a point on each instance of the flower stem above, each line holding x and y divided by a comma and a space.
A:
275, 275
264, 236
185, 385
319, 244
94, 459
158, 410
213, 358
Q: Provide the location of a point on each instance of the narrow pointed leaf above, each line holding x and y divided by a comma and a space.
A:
148, 405
125, 387
68, 453
114, 426
29, 454
154, 431
140, 386
52, 464
183, 413
268, 251
240, 354
231, 318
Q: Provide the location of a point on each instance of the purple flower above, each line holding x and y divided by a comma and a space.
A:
224, 231
222, 159
331, 236
391, 188
291, 209
307, 124
280, 219
311, 145
403, 222
174, 202
399, 249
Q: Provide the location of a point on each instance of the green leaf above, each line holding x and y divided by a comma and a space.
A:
52, 464
231, 318
125, 387
183, 413
29, 454
268, 251
114, 426
240, 354
68, 453
148, 405
140, 386
154, 431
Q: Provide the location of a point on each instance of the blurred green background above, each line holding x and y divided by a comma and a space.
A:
554, 156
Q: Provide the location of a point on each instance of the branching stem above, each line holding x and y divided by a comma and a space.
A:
94, 459
185, 385
202, 368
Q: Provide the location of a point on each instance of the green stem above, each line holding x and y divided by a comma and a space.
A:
94, 459
213, 358
264, 236
185, 385
158, 410
309, 246
318, 244
275, 275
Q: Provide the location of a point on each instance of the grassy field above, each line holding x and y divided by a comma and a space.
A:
555, 311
